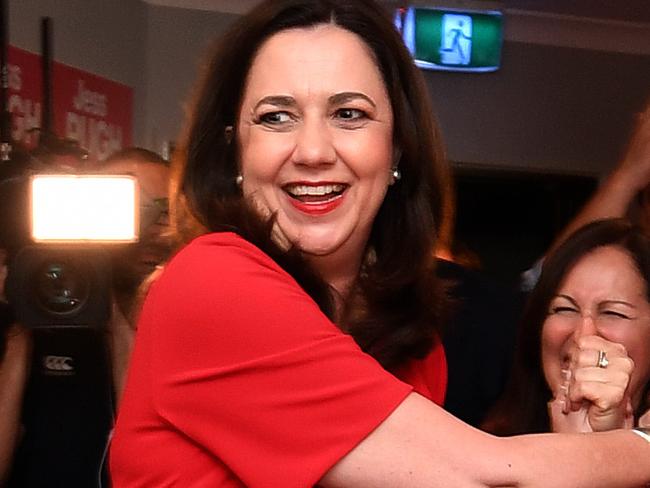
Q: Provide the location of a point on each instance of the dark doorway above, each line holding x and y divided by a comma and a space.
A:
507, 219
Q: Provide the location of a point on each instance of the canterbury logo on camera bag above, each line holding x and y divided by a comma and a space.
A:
58, 363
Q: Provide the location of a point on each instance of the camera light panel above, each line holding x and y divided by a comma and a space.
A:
81, 208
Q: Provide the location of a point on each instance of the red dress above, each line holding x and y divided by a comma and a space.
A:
238, 379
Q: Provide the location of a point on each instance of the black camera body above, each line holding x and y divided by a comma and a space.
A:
60, 286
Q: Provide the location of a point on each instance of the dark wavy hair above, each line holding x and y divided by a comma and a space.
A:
394, 309
523, 407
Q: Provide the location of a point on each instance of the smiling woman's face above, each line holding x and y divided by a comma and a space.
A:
315, 133
603, 294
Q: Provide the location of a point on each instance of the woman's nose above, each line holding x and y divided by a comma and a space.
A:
314, 144
586, 326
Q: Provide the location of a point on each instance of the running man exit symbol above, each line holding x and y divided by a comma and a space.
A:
456, 39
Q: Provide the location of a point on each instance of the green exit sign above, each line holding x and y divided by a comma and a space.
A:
452, 40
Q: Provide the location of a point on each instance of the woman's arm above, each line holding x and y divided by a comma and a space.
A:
616, 194
420, 445
14, 369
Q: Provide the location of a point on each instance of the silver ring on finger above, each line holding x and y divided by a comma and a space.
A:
602, 359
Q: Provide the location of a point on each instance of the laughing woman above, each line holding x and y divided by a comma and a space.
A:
294, 342
583, 359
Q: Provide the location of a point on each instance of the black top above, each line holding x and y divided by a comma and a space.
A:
67, 412
479, 340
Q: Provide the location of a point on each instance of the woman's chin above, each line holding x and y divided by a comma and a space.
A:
317, 240
318, 249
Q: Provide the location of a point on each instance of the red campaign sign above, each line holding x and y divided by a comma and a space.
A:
87, 108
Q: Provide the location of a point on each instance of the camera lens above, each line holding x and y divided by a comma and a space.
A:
60, 287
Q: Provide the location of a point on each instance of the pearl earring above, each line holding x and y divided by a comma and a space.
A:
395, 174
239, 180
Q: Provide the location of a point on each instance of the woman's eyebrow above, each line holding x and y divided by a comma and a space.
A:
617, 302
277, 100
566, 297
344, 97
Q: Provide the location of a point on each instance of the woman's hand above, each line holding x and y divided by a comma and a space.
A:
594, 398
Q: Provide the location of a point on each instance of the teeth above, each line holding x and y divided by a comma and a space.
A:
301, 190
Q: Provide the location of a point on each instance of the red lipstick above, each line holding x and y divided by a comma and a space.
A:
316, 198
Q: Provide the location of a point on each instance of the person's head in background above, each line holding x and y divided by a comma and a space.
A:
596, 283
133, 263
60, 155
217, 146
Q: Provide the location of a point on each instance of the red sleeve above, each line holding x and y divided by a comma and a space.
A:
427, 376
245, 364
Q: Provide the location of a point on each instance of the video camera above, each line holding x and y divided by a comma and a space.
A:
58, 224
60, 275
59, 229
